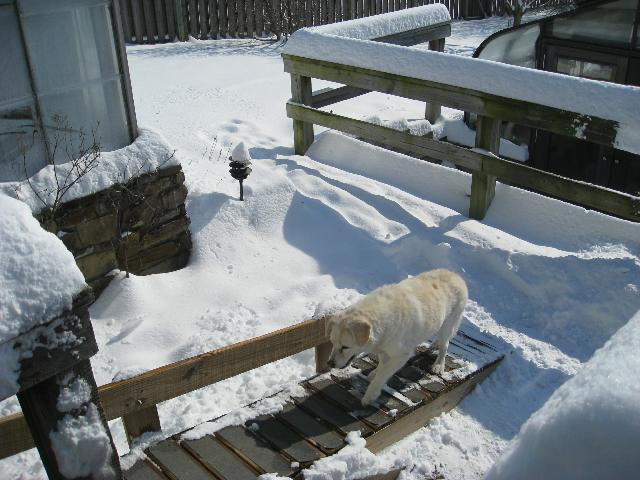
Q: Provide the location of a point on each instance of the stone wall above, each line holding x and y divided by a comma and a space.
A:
141, 227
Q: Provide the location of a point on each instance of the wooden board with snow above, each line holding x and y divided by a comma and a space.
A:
313, 421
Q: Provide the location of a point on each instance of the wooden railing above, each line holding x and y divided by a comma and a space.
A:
157, 21
483, 161
135, 399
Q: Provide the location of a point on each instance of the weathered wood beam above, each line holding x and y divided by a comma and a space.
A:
592, 196
419, 417
164, 383
419, 35
302, 131
563, 122
329, 96
142, 421
483, 185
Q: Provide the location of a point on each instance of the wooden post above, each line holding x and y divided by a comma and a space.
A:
323, 351
59, 397
483, 186
434, 110
181, 20
142, 421
302, 131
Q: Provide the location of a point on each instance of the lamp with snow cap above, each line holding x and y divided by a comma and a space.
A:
239, 163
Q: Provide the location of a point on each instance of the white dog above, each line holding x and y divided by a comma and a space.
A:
393, 319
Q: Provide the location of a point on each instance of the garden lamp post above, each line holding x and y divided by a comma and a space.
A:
239, 163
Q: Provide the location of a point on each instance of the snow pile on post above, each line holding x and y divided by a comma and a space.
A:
348, 43
38, 280
590, 427
148, 153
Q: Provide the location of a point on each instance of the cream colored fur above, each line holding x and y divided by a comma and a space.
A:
392, 320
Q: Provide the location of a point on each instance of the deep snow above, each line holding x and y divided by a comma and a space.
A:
552, 282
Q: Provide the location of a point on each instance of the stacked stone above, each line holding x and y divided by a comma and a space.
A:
141, 227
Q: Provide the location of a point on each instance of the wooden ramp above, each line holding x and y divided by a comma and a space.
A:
314, 423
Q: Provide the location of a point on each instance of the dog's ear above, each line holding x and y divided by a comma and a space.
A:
361, 330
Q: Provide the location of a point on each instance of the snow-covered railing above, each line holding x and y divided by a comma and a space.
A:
135, 398
599, 112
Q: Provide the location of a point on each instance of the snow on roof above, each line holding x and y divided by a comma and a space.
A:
339, 44
38, 275
590, 427
150, 151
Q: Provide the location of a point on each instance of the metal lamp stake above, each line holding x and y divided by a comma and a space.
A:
239, 163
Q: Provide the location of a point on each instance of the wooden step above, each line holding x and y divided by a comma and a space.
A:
313, 423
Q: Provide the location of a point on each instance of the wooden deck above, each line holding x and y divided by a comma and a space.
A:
313, 424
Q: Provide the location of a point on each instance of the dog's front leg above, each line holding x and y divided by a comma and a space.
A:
386, 368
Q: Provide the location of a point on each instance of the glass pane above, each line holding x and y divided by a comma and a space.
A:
14, 76
21, 147
96, 109
607, 22
517, 47
586, 69
70, 47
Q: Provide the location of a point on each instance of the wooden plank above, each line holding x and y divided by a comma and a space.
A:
483, 185
255, 450
219, 459
232, 19
41, 408
335, 393
169, 8
138, 20
258, 10
322, 354
329, 96
182, 25
223, 18
176, 463
143, 470
408, 389
593, 196
203, 16
302, 131
357, 386
214, 27
149, 21
308, 9
194, 25
421, 146
551, 119
155, 386
143, 421
126, 19
315, 431
161, 19
250, 19
419, 417
319, 407
285, 440
241, 22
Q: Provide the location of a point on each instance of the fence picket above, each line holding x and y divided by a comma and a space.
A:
151, 21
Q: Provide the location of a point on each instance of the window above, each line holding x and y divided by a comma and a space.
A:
586, 69
60, 76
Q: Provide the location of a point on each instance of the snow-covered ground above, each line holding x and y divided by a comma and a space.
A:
552, 282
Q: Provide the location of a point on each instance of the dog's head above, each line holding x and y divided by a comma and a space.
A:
349, 332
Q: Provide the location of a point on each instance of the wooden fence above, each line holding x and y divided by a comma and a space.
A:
492, 110
157, 21
135, 399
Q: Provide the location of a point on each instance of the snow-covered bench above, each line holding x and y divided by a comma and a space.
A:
346, 53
